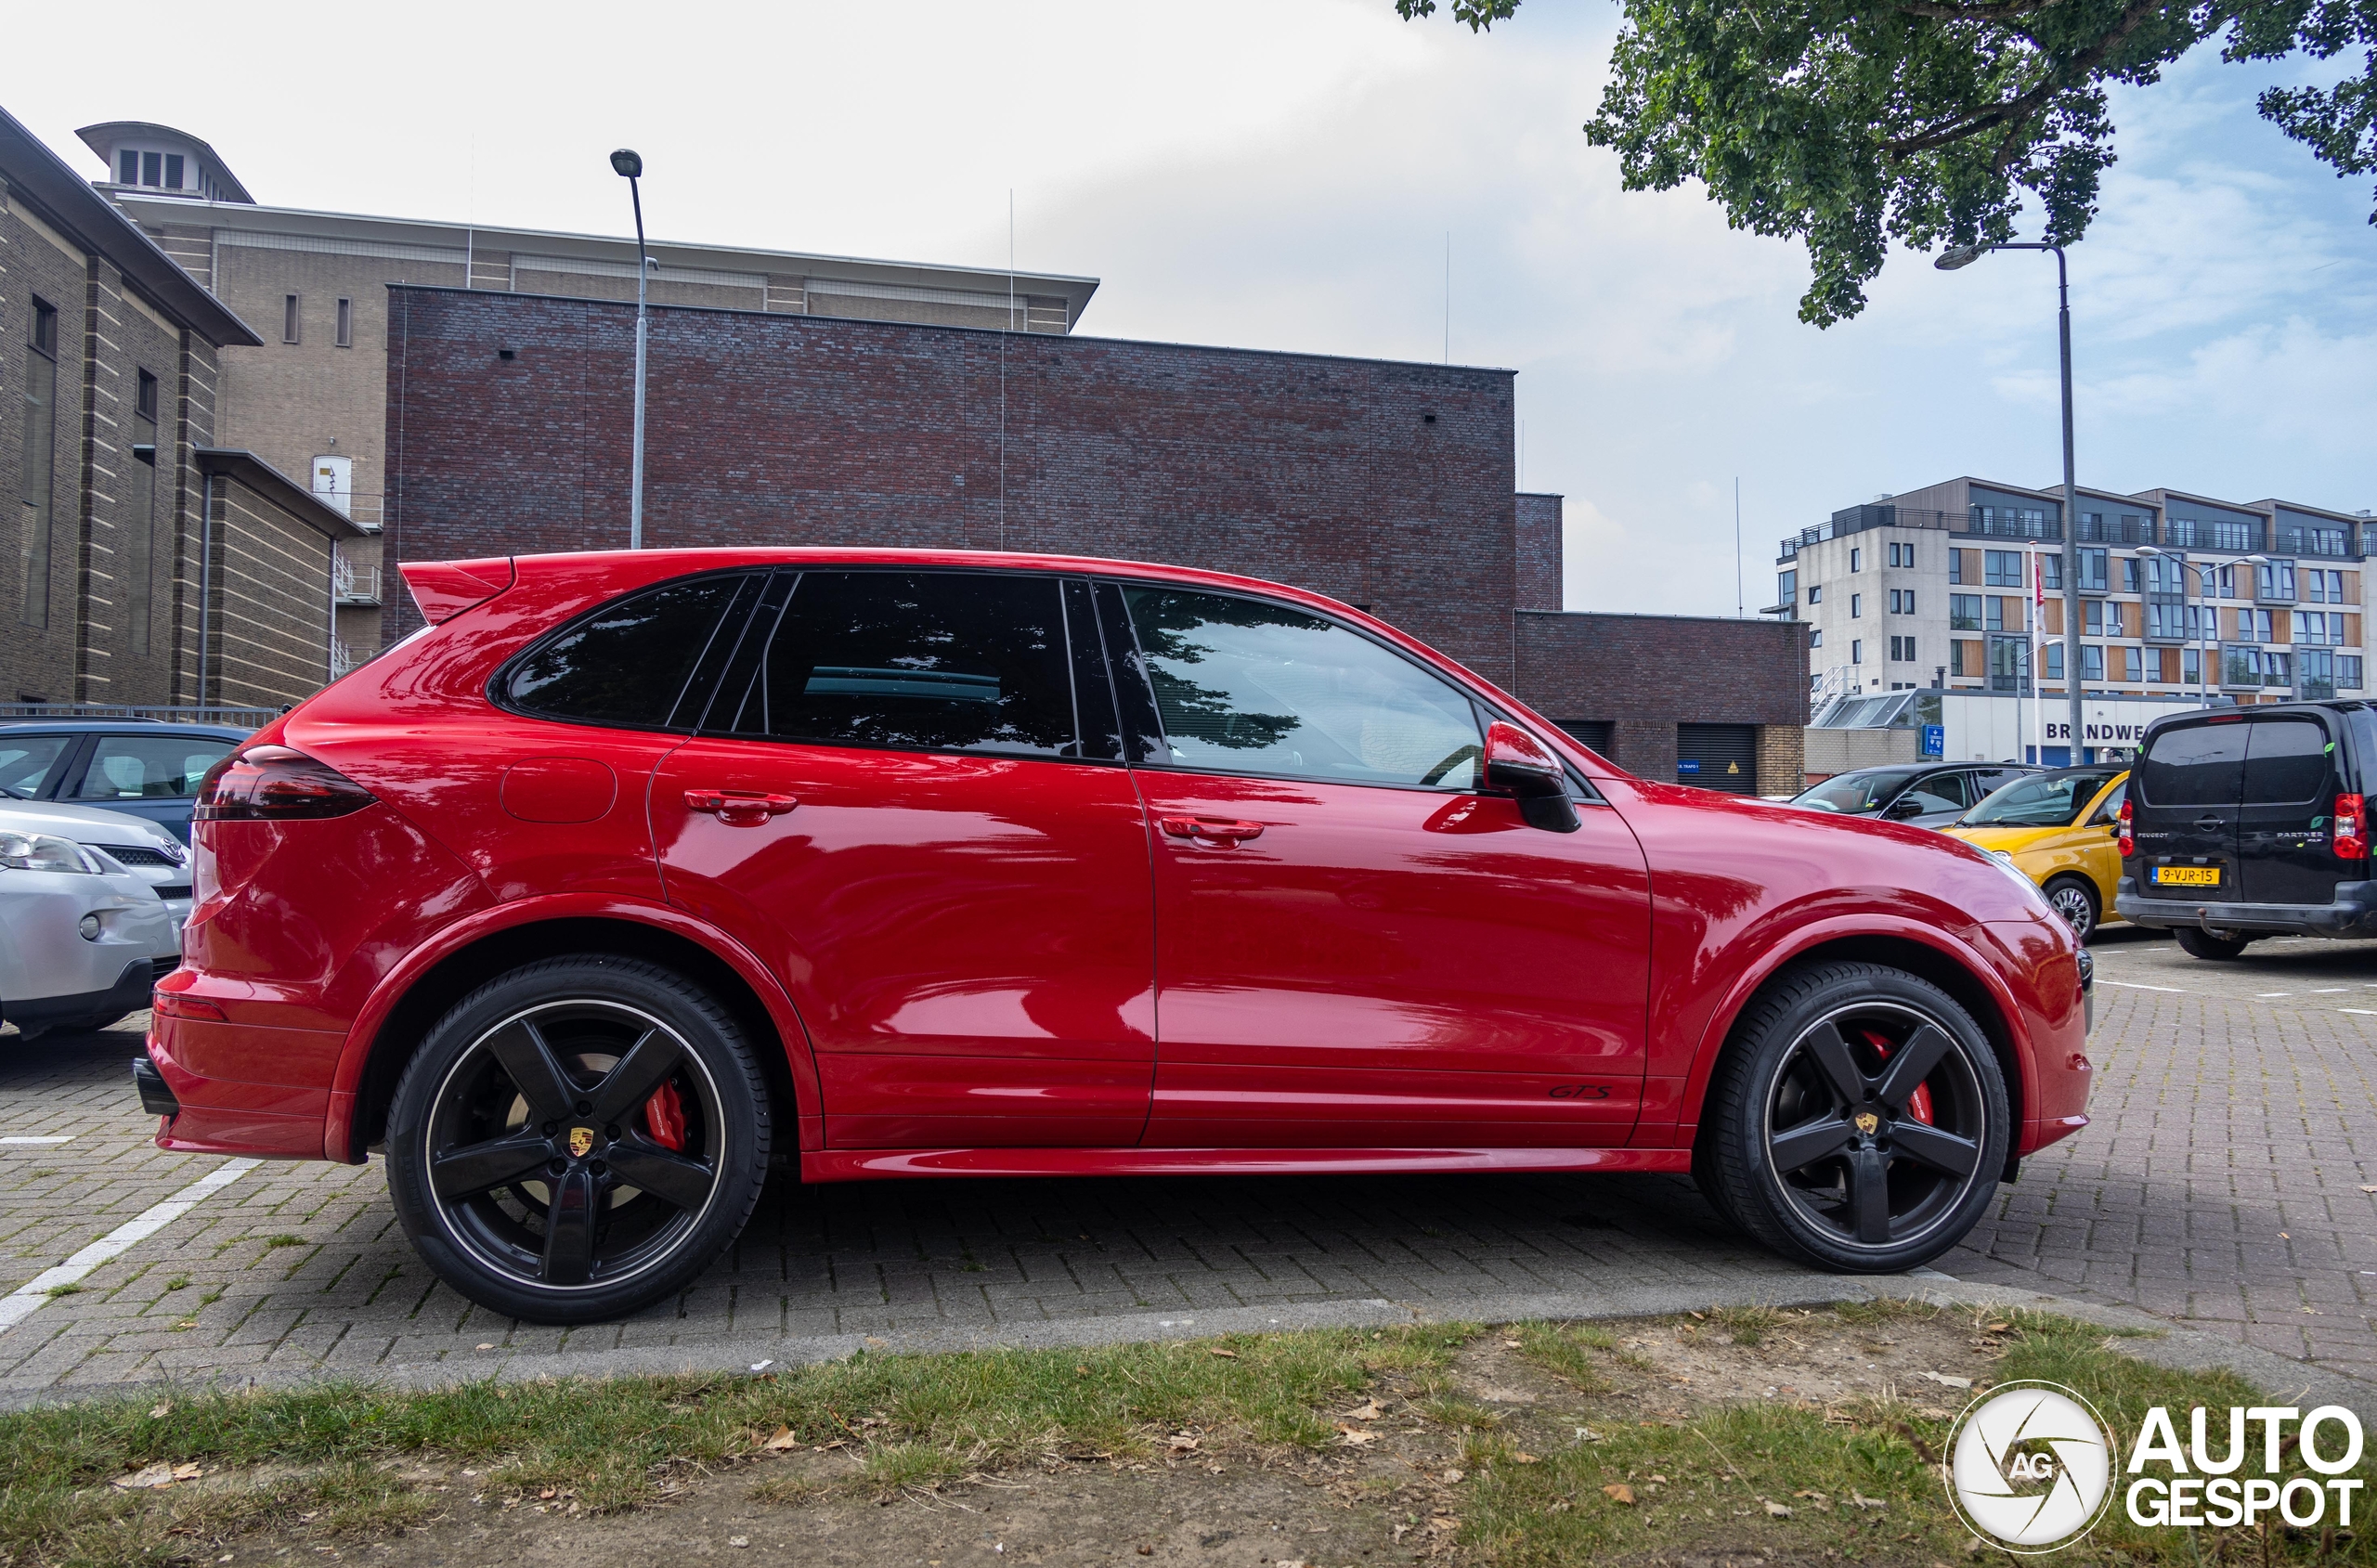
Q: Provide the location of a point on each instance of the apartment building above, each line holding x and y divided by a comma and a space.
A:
2179, 594
148, 561
312, 397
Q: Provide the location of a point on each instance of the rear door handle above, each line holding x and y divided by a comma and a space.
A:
2210, 823
740, 808
1211, 830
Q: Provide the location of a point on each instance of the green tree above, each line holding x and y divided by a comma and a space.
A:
1850, 126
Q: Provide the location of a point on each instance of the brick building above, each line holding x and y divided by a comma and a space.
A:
312, 398
1386, 484
146, 562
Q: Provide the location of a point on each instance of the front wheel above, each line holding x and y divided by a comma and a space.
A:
577, 1139
2195, 942
1859, 1123
2075, 900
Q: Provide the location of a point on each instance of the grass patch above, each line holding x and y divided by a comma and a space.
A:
1745, 1324
284, 1239
1567, 1349
63, 1290
178, 1282
913, 1420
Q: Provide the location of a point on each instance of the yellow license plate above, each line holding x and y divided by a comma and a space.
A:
2187, 876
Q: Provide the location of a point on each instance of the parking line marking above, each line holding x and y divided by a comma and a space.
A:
34, 1294
2133, 985
2265, 995
67, 1139
2364, 1012
2330, 989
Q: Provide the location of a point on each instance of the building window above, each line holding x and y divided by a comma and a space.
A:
139, 525
2116, 619
127, 167
1815, 638
172, 171
1964, 612
2054, 661
1856, 605
2092, 571
2092, 619
1857, 559
2002, 568
290, 317
2323, 587
2349, 671
346, 323
1994, 613
1856, 650
2132, 664
1902, 649
1816, 593
2275, 580
2051, 573
2238, 536
2191, 665
2092, 662
35, 472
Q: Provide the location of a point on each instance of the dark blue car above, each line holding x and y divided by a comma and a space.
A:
146, 770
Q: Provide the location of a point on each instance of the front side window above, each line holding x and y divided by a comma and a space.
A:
1250, 686
26, 761
914, 661
628, 663
149, 767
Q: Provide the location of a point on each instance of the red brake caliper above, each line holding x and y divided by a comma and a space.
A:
1918, 1104
664, 1115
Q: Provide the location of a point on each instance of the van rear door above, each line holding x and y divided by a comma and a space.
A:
2284, 855
2187, 789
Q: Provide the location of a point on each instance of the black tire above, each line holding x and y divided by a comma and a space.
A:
2074, 897
2195, 942
540, 1093
1810, 1140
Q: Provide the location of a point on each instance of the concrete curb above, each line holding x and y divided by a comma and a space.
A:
2187, 1349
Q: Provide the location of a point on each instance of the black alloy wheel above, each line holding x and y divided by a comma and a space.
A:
576, 1139
1860, 1123
2073, 899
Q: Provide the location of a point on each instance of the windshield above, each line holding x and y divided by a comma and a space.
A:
1854, 793
2040, 800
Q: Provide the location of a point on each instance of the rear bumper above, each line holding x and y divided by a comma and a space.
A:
2353, 912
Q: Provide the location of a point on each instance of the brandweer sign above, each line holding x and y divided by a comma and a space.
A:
2096, 735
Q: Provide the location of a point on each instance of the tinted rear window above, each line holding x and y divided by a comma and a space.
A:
2193, 765
2286, 761
626, 664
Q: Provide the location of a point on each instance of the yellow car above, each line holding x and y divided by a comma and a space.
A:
2058, 828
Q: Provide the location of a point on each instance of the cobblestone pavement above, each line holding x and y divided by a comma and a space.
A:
2219, 1184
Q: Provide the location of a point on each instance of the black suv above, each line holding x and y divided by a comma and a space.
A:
2249, 823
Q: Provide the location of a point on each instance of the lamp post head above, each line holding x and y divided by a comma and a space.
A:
627, 162
1959, 255
2149, 550
2252, 560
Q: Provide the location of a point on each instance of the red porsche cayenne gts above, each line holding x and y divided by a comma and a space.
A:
632, 874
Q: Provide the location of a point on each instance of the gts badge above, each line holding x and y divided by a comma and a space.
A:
1580, 1090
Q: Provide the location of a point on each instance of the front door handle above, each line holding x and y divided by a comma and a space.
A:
1223, 830
2210, 823
740, 808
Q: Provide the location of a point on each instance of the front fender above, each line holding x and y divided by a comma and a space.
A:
355, 1056
1965, 949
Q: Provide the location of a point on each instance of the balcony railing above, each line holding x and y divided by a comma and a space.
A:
343, 658
2011, 528
354, 584
2096, 528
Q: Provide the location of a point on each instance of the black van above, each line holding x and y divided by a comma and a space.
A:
2246, 822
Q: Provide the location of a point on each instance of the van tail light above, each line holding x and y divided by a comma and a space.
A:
2128, 829
275, 784
2351, 837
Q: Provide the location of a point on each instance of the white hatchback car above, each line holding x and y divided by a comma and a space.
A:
147, 849
81, 938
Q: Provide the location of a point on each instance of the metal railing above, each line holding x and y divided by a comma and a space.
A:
343, 658
354, 584
238, 718
2096, 528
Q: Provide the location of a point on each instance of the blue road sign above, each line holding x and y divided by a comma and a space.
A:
1935, 740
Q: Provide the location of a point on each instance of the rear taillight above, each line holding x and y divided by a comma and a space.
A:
2351, 837
2129, 835
275, 784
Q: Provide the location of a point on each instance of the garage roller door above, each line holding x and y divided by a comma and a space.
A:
1718, 756
1598, 736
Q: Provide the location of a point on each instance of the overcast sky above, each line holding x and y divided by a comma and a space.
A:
1282, 174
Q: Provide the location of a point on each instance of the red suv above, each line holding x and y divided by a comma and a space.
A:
631, 874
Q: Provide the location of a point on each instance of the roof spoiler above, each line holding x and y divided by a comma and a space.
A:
446, 589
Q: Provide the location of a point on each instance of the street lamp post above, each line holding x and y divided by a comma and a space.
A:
629, 165
1965, 255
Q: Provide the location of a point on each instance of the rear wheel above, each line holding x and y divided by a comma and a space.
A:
2074, 897
2200, 943
577, 1139
1859, 1123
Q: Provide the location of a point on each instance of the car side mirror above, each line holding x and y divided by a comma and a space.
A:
1901, 811
1516, 764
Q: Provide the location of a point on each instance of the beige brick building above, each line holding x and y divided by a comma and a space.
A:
144, 562
311, 398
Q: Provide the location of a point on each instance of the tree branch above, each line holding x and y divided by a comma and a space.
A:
2014, 112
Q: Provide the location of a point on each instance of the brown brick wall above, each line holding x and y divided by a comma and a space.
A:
1782, 759
1539, 566
1647, 674
38, 660
270, 603
773, 428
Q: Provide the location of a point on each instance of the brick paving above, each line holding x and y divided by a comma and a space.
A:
2219, 1185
